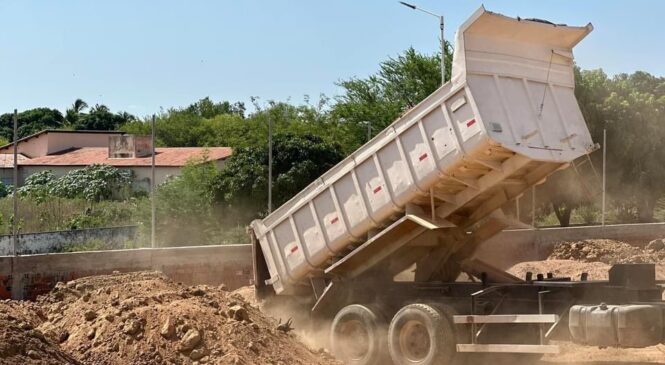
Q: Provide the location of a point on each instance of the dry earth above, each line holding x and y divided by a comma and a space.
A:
144, 318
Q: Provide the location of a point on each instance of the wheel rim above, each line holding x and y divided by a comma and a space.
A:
414, 341
353, 340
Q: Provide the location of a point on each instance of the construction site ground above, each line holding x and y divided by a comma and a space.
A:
145, 318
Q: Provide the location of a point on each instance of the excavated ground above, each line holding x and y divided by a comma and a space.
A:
595, 257
144, 318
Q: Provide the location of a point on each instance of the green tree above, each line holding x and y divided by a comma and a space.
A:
242, 186
100, 118
30, 122
73, 113
379, 99
185, 206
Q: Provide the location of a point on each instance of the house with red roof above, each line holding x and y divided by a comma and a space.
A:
62, 151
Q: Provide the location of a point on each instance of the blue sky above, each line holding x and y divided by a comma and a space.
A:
139, 56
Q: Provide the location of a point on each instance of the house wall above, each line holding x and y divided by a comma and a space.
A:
53, 142
33, 147
62, 141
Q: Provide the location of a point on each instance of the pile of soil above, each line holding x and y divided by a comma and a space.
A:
21, 342
608, 251
562, 269
145, 318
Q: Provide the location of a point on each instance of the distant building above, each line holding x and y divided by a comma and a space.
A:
62, 151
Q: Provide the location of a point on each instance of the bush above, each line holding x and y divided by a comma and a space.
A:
94, 183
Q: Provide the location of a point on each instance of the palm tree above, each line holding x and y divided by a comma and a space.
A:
72, 115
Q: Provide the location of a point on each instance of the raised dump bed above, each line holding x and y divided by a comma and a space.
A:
507, 120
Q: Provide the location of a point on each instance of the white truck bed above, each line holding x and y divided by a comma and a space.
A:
507, 120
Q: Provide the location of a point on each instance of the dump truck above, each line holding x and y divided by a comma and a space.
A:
426, 192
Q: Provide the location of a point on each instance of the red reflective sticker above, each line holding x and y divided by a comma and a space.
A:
294, 249
334, 220
423, 156
377, 189
471, 122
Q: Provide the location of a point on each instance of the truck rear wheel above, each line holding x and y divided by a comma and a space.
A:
358, 335
422, 334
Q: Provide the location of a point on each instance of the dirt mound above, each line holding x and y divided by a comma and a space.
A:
21, 342
562, 269
606, 251
144, 318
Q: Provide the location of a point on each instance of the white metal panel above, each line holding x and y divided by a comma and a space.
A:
510, 105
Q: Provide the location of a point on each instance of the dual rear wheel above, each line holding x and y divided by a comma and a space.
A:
419, 334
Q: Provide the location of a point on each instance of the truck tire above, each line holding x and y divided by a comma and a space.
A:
358, 335
423, 334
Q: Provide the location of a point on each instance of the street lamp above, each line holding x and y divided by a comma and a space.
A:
443, 43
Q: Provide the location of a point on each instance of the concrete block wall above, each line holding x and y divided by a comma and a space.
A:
37, 274
28, 276
55, 241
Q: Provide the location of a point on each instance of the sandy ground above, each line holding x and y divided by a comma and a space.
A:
572, 354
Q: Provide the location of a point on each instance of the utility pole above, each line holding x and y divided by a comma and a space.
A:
269, 164
15, 193
152, 184
602, 216
443, 42
443, 52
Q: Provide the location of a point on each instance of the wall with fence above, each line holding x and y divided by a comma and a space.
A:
56, 241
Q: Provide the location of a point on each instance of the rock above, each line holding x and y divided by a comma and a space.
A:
109, 317
33, 354
91, 334
238, 313
252, 346
64, 335
168, 328
89, 315
132, 327
190, 340
86, 297
656, 245
198, 354
198, 292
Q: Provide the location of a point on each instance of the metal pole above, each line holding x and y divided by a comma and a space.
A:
14, 194
533, 206
517, 208
443, 53
602, 219
152, 184
269, 164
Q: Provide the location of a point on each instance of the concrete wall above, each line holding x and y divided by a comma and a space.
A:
513, 246
48, 242
231, 264
26, 277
